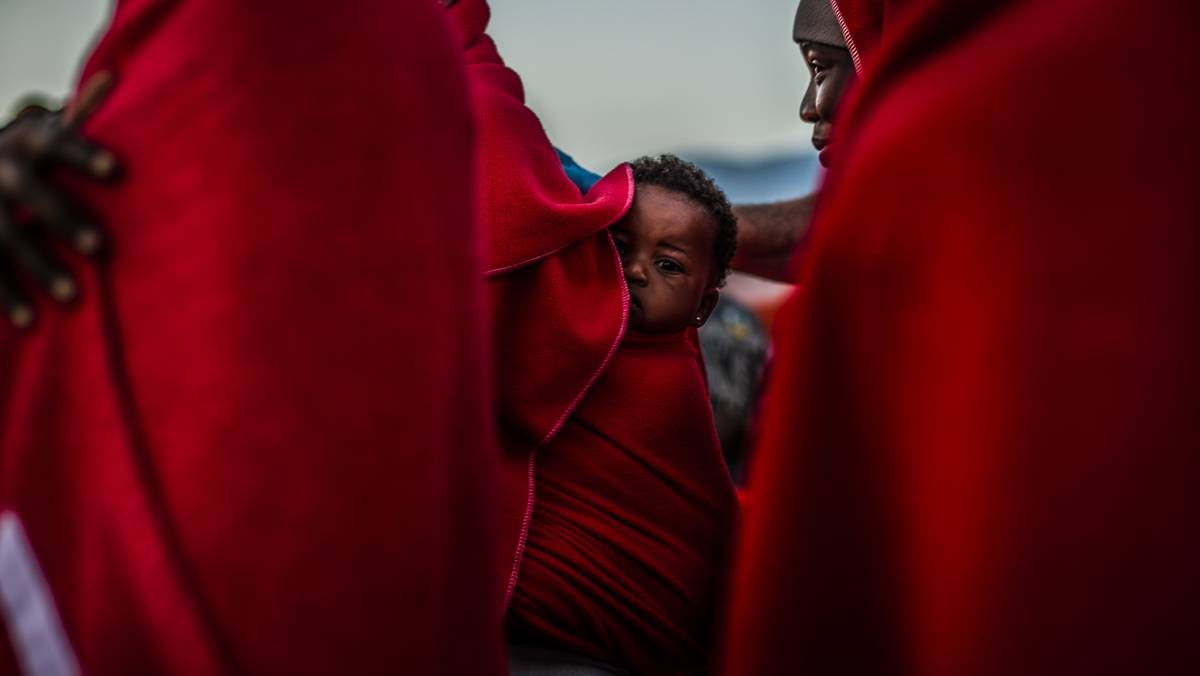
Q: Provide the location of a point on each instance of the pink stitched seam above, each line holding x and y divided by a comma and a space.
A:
520, 553
858, 67
509, 268
607, 358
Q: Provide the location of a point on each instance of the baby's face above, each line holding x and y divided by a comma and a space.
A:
666, 245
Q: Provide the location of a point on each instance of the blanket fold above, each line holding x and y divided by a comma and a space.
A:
558, 293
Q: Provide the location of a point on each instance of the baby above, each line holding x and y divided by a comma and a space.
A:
675, 245
615, 506
634, 504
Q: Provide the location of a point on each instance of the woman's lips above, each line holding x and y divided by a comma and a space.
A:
821, 143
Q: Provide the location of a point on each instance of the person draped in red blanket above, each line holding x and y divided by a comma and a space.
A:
979, 452
634, 503
257, 443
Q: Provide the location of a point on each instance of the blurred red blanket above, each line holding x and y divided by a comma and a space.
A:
980, 447
262, 442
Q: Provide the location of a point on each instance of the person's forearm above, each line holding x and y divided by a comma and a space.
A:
768, 235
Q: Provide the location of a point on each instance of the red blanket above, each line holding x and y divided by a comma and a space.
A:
634, 512
980, 447
559, 297
261, 443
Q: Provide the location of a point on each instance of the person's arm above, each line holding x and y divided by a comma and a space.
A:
768, 235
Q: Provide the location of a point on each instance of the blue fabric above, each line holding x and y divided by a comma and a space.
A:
582, 178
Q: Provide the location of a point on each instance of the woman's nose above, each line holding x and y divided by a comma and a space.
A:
808, 105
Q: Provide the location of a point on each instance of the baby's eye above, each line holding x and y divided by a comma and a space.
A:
669, 266
620, 247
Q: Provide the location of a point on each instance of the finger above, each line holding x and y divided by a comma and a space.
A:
83, 155
46, 138
17, 310
90, 96
18, 183
50, 275
34, 109
62, 141
33, 105
26, 111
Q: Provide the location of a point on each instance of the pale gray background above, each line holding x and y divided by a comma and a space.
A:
612, 79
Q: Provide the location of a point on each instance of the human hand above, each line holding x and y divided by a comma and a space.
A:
32, 147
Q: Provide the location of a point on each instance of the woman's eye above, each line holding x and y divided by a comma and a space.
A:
668, 265
816, 67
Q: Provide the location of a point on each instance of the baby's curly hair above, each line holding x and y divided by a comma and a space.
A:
672, 173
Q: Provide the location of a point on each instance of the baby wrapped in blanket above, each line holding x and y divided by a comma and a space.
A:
617, 504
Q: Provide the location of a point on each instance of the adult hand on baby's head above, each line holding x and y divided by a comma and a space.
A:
32, 147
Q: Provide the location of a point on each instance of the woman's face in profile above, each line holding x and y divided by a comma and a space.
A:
832, 71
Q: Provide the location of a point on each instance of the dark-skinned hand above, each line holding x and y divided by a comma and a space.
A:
32, 147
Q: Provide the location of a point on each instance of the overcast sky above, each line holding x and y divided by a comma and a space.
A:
612, 79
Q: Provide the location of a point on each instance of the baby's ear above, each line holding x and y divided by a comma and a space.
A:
707, 303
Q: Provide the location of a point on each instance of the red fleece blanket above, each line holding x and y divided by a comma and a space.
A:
634, 514
261, 443
559, 297
980, 446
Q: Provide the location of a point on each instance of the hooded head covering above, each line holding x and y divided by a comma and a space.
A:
963, 353
912, 27
817, 22
861, 22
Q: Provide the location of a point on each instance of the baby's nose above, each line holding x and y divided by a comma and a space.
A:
635, 273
